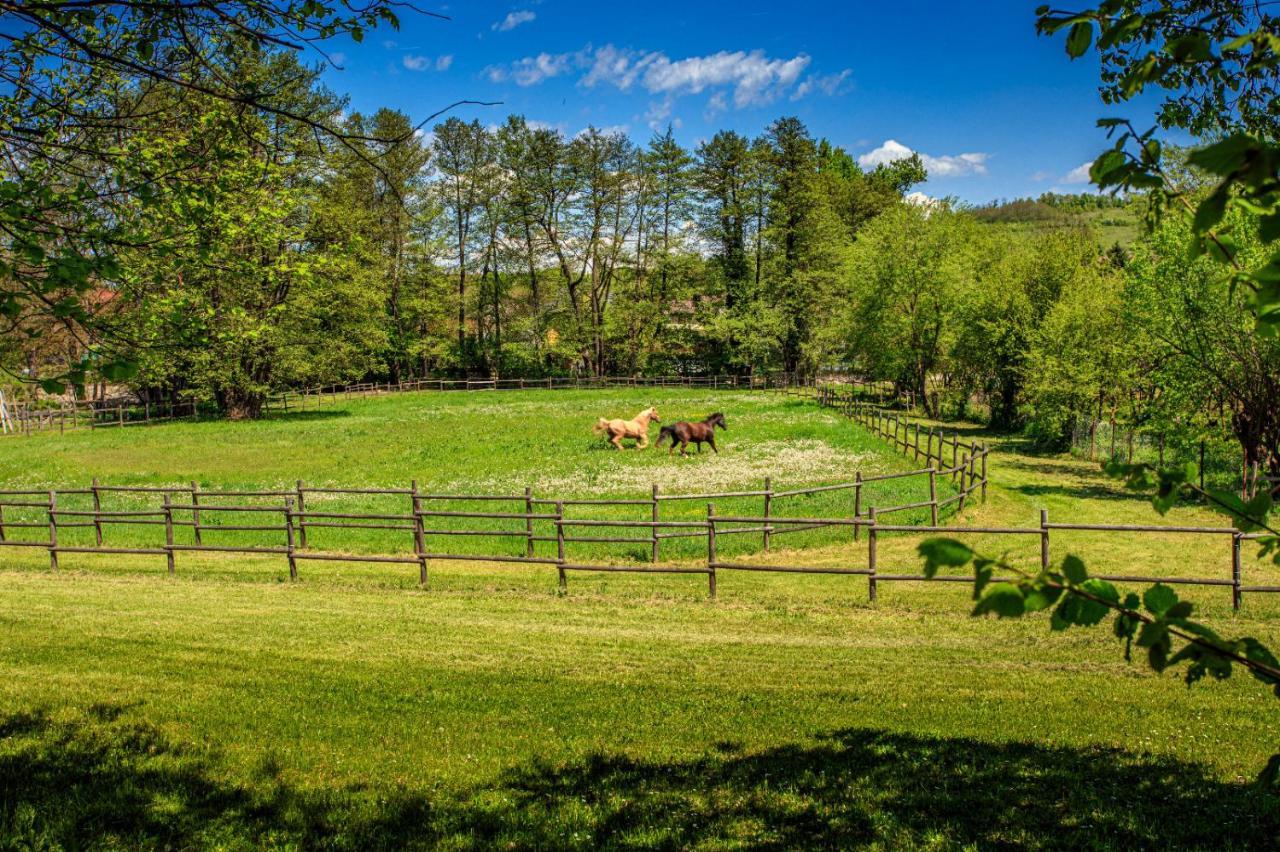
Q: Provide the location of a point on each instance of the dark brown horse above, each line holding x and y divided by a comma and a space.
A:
684, 432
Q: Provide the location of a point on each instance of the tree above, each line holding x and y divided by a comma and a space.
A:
463, 159
1216, 61
908, 272
76, 74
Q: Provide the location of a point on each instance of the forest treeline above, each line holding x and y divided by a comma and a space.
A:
259, 254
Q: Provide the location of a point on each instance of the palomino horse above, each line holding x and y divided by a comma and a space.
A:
684, 432
637, 428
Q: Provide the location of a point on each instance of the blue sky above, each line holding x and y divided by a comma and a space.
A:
996, 111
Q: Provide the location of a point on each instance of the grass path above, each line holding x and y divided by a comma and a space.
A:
351, 710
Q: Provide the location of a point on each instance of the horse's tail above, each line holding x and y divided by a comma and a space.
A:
602, 426
666, 432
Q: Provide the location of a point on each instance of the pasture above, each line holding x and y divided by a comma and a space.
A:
351, 709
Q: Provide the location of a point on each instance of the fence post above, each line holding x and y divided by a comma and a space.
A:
564, 580
928, 449
711, 550
2, 538
933, 496
871, 553
653, 556
964, 493
985, 450
1044, 539
1235, 570
168, 531
857, 503
768, 509
53, 530
195, 510
419, 537
302, 517
955, 448
528, 521
97, 509
288, 538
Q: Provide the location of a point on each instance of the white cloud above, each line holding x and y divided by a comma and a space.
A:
829, 85
955, 165
1080, 174
753, 77
532, 69
417, 62
513, 20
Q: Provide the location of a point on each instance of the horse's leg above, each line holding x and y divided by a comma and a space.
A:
684, 446
616, 440
644, 440
712, 440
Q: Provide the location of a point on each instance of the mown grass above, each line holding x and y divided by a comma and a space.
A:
351, 710
470, 443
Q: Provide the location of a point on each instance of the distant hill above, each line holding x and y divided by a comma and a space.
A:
1114, 220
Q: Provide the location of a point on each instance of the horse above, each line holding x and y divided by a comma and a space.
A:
684, 432
637, 428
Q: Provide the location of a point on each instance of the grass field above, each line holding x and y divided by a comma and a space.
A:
217, 708
473, 443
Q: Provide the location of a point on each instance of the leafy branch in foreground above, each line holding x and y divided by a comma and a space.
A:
1217, 61
1158, 620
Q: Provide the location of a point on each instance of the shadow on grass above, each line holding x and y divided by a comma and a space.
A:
103, 781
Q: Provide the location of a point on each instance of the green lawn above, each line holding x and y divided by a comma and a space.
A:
351, 710
472, 443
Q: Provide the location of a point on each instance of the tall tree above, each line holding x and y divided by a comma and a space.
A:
463, 157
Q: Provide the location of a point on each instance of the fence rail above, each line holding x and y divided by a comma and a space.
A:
286, 520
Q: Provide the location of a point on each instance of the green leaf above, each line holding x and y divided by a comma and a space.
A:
1210, 211
1159, 598
1227, 157
943, 553
52, 386
1003, 599
1079, 38
1074, 570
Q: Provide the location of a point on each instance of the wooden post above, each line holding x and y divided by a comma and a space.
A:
933, 497
120, 412
288, 538
195, 510
711, 550
984, 472
302, 517
955, 448
419, 536
653, 556
1235, 570
928, 449
168, 531
2, 522
857, 502
1044, 539
964, 492
97, 509
564, 580
768, 510
53, 530
528, 521
871, 553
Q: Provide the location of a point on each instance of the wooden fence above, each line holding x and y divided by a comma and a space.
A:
28, 420
530, 521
